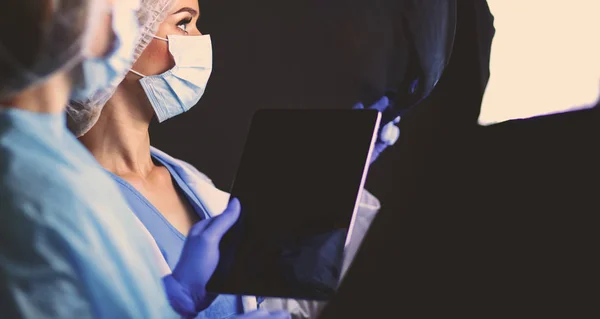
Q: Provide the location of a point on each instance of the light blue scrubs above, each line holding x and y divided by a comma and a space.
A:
71, 247
169, 240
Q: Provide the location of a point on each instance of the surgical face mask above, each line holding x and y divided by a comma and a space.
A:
180, 88
99, 73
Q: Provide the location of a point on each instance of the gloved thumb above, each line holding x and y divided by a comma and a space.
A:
381, 104
220, 224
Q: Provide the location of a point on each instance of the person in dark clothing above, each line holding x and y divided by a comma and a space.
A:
487, 221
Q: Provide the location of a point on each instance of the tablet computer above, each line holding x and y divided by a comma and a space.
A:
299, 183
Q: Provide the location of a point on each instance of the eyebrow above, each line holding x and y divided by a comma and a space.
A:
187, 9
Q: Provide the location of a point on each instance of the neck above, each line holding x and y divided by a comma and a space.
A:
120, 140
50, 96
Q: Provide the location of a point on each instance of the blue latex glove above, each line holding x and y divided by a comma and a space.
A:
186, 286
389, 133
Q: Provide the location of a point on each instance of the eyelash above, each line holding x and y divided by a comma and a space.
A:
184, 23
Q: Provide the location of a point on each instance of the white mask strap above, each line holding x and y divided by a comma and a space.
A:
137, 73
157, 37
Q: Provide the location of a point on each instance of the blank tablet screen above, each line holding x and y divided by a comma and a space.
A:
298, 183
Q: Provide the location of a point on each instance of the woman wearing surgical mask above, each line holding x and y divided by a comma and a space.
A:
70, 245
172, 67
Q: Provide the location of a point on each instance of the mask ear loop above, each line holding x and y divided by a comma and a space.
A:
138, 73
160, 38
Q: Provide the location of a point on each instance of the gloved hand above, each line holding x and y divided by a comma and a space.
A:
390, 131
264, 314
186, 286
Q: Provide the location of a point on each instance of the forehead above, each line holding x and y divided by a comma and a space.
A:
179, 4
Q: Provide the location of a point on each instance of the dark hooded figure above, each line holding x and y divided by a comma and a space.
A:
481, 222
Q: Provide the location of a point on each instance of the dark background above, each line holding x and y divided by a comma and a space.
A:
478, 222
278, 54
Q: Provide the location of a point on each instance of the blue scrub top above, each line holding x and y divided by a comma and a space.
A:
71, 247
169, 240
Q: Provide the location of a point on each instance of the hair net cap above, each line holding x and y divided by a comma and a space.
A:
84, 114
54, 40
